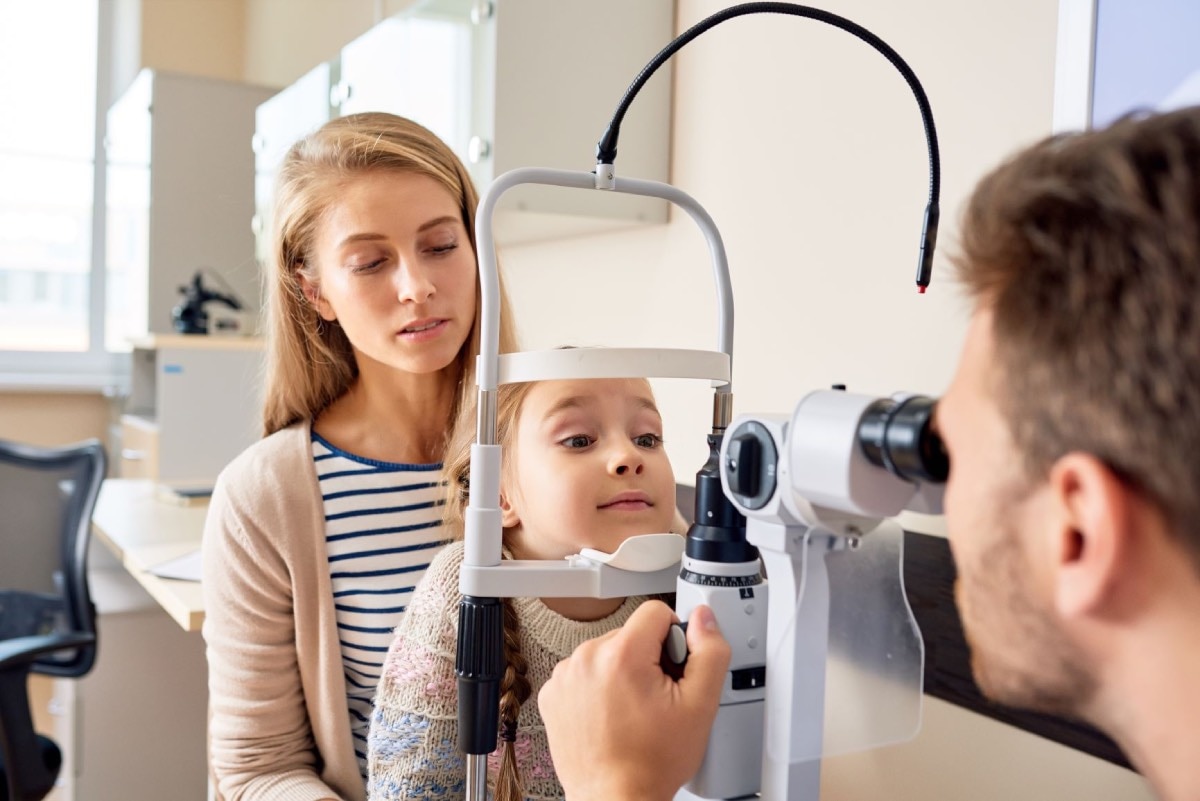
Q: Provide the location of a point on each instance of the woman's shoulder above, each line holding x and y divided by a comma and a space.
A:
271, 485
273, 454
275, 466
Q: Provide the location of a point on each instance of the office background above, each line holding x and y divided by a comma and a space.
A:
806, 148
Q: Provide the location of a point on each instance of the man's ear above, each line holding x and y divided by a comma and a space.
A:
312, 293
508, 515
1092, 539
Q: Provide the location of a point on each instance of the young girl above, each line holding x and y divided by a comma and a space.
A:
583, 467
317, 534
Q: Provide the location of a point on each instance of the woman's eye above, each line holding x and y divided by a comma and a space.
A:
366, 267
577, 441
441, 250
647, 440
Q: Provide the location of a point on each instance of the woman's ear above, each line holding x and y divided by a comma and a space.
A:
312, 293
1093, 534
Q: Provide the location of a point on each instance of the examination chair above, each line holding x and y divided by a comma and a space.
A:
47, 621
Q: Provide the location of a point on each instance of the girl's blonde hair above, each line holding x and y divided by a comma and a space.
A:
514, 686
310, 362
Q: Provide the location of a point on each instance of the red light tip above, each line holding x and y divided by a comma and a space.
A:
920, 290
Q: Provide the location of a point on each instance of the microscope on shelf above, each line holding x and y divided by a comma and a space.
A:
827, 658
191, 315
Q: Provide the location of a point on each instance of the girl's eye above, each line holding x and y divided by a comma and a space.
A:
647, 440
577, 441
442, 250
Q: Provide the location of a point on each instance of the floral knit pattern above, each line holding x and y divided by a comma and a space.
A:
412, 745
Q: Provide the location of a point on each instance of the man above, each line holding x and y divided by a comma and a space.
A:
1073, 425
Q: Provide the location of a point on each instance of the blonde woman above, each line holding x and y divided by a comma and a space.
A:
317, 534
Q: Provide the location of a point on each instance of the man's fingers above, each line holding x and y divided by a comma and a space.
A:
644, 632
708, 658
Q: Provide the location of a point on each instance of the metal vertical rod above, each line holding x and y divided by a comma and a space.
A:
476, 777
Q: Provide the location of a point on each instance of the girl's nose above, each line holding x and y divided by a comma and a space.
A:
626, 460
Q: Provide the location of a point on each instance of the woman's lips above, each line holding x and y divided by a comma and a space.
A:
423, 329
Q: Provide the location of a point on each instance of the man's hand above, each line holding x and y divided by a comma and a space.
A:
619, 728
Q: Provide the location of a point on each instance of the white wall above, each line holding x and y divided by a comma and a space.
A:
287, 38
806, 147
199, 37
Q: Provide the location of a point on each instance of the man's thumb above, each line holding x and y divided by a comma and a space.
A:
708, 654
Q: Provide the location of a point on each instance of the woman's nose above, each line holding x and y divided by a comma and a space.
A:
414, 283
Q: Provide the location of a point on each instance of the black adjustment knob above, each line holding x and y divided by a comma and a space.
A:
743, 465
674, 651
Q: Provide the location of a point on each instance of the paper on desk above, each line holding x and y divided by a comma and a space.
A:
186, 567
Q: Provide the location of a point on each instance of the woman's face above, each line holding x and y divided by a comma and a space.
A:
589, 468
396, 270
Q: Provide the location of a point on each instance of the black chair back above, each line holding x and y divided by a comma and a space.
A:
46, 501
47, 620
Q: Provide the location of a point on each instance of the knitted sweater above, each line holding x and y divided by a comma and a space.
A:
412, 745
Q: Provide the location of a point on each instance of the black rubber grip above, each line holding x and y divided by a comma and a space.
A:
479, 665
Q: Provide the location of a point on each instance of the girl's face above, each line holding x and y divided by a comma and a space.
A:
396, 270
588, 469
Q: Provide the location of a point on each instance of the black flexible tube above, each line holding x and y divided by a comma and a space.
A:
606, 149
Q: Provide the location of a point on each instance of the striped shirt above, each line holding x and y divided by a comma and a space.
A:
383, 526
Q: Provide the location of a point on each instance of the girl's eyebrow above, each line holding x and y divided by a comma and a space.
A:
562, 404
579, 401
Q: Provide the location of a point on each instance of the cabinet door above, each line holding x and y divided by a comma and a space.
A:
280, 122
139, 448
417, 65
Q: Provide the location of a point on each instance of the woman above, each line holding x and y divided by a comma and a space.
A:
317, 534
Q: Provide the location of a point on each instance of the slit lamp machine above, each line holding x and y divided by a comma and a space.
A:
827, 658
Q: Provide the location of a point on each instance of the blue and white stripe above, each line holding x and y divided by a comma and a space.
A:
383, 526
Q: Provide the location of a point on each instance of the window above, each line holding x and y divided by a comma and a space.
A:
1102, 71
51, 224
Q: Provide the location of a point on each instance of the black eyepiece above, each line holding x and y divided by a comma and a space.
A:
899, 437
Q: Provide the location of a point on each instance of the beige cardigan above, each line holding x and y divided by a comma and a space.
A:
279, 724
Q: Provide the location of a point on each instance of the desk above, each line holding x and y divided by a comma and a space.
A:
144, 531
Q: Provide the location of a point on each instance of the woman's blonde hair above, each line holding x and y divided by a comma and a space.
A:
310, 362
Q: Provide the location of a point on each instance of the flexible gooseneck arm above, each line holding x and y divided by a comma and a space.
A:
606, 149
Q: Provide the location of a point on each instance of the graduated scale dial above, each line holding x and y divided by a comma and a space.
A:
709, 580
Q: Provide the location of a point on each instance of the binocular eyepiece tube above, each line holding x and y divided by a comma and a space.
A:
899, 436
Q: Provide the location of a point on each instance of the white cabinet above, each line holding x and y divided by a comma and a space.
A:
134, 728
179, 197
280, 122
194, 404
507, 84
